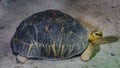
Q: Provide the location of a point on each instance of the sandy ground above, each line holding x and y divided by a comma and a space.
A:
103, 14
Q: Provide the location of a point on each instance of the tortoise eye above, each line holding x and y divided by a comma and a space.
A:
98, 34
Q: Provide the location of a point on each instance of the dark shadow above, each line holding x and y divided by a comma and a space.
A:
104, 40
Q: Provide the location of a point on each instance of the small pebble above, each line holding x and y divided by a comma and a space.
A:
112, 54
1, 27
86, 66
94, 65
107, 19
113, 6
5, 54
18, 67
71, 60
31, 62
36, 66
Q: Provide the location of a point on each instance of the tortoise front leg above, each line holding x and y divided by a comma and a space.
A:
21, 59
86, 55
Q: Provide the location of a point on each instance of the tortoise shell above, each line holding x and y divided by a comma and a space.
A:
49, 34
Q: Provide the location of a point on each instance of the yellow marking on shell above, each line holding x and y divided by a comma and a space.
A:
29, 49
46, 29
82, 41
59, 46
58, 20
54, 50
36, 44
16, 37
48, 50
23, 47
31, 22
70, 50
24, 44
54, 14
33, 19
21, 42
62, 29
32, 39
49, 20
62, 49
35, 16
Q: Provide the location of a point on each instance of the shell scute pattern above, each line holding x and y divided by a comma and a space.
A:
49, 34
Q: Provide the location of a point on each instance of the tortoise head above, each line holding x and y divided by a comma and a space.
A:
95, 35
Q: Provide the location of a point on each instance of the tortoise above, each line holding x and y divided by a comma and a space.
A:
52, 34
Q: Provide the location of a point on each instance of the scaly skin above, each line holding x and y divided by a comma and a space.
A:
93, 37
21, 59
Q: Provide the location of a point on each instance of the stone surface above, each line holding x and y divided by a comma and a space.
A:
104, 14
